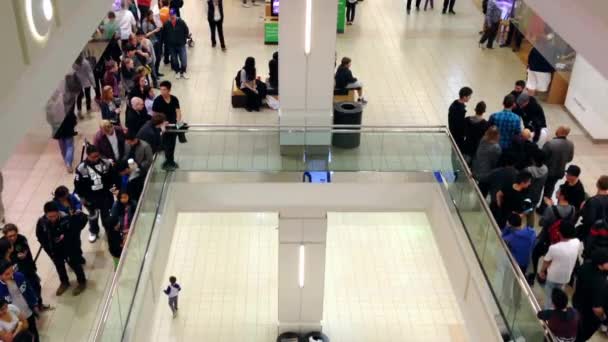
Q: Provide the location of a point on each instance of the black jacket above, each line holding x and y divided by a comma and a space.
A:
94, 181
533, 117
175, 36
67, 128
343, 77
473, 132
48, 233
211, 10
135, 120
456, 122
151, 135
27, 266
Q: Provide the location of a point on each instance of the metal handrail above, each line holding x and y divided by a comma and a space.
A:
109, 294
304, 129
343, 129
514, 265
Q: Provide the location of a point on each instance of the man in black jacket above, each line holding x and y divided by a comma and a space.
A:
456, 114
136, 115
93, 182
151, 132
175, 35
23, 258
594, 209
57, 239
532, 114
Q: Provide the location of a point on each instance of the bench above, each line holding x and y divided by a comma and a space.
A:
239, 99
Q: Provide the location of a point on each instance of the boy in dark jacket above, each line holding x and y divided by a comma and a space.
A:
22, 257
562, 320
58, 241
175, 36
15, 290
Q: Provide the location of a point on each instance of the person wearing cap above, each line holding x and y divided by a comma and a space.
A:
110, 141
595, 209
175, 35
520, 240
57, 238
532, 114
589, 296
574, 188
559, 261
140, 151
94, 178
559, 151
15, 290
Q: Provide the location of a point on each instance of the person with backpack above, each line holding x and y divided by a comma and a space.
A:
550, 223
559, 262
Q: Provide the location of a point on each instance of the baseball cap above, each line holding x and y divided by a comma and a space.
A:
573, 170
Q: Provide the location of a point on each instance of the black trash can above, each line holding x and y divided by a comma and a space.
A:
347, 113
288, 337
316, 335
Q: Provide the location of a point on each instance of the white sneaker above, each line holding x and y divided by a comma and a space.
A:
177, 76
92, 237
185, 76
246, 5
257, 4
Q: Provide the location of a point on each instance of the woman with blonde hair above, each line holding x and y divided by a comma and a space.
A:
109, 110
487, 154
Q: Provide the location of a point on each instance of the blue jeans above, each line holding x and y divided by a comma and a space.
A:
549, 286
179, 52
66, 145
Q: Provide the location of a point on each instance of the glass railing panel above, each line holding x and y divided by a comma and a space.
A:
116, 311
514, 298
380, 151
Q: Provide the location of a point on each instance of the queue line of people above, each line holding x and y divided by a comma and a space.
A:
518, 169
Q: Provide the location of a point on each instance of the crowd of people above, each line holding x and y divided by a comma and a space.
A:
518, 169
109, 180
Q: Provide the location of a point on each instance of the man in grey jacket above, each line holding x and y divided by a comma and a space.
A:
140, 151
84, 73
559, 151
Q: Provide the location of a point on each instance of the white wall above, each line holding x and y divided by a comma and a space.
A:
25, 88
587, 98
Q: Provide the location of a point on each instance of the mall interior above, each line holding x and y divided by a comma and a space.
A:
304, 172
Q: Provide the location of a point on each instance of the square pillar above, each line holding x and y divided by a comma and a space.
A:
302, 237
306, 80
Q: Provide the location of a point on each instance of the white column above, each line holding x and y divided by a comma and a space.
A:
302, 235
306, 76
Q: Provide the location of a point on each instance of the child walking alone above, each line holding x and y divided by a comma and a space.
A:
173, 291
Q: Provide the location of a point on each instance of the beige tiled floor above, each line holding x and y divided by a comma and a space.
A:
412, 67
384, 280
